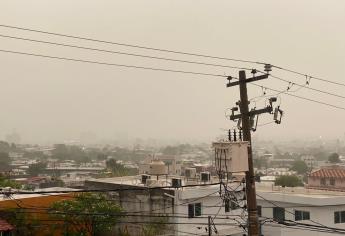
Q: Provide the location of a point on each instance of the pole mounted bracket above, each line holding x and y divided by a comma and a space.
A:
267, 109
252, 79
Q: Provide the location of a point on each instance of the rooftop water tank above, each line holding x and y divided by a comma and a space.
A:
190, 172
157, 167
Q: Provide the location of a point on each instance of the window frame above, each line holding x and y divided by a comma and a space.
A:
277, 211
339, 217
194, 210
302, 215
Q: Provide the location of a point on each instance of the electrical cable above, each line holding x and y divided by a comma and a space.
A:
130, 45
123, 53
168, 51
271, 202
300, 97
306, 86
164, 70
308, 76
110, 64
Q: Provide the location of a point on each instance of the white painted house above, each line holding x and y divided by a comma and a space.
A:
189, 207
301, 205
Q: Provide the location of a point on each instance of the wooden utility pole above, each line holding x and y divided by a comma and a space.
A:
209, 226
253, 224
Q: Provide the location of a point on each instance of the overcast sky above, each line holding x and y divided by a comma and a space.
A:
51, 100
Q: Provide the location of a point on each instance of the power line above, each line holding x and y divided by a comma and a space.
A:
300, 97
160, 69
274, 204
147, 222
111, 64
169, 51
305, 86
308, 76
130, 45
123, 53
181, 204
304, 228
111, 190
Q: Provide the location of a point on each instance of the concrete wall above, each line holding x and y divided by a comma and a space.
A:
315, 182
146, 202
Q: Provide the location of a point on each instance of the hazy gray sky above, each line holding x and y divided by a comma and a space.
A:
52, 100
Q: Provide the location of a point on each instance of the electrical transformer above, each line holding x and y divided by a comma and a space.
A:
231, 157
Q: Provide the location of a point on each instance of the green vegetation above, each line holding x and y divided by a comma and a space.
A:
288, 181
155, 228
64, 152
4, 182
118, 169
37, 168
87, 214
334, 158
260, 163
300, 167
5, 162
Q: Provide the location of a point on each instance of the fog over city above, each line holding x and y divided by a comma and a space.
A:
46, 100
172, 118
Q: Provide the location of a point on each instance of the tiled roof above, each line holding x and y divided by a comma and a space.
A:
5, 226
328, 172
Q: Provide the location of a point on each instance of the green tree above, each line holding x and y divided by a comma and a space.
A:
118, 169
260, 163
37, 168
60, 151
288, 181
5, 162
87, 214
4, 146
334, 158
300, 167
5, 182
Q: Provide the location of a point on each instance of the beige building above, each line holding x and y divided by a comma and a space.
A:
328, 178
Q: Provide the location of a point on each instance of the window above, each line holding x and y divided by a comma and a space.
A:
279, 213
259, 209
230, 205
302, 215
332, 181
194, 210
323, 181
339, 217
227, 205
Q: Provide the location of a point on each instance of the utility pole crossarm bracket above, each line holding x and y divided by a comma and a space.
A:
256, 78
267, 109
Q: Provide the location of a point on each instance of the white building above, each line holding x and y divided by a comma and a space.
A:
188, 208
307, 206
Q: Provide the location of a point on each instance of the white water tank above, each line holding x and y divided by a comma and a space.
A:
190, 172
231, 157
157, 167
